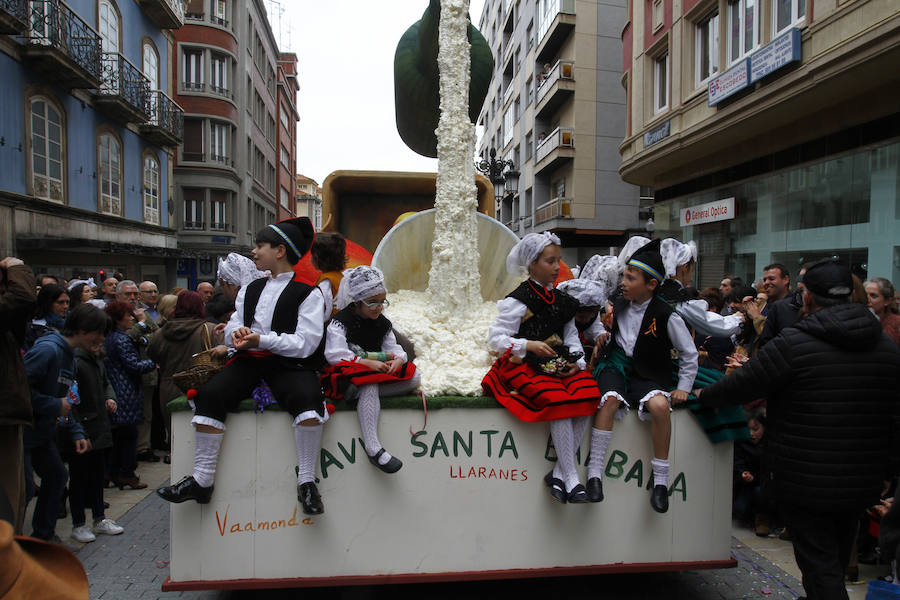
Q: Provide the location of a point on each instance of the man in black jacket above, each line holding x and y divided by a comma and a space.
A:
832, 382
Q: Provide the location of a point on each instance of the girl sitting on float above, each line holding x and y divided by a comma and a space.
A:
539, 375
362, 351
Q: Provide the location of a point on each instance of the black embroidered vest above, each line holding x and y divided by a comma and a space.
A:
653, 348
368, 334
284, 318
673, 293
548, 318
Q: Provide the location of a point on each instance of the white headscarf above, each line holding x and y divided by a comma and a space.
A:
587, 291
360, 283
631, 246
605, 270
674, 254
90, 283
238, 270
527, 250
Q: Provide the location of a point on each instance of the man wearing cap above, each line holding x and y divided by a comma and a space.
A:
277, 329
831, 381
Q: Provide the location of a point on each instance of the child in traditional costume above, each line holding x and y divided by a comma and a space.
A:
637, 369
277, 330
362, 351
329, 255
591, 300
539, 375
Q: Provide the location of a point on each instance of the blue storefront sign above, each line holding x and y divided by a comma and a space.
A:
781, 51
656, 134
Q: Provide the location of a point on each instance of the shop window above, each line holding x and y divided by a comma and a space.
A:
743, 28
706, 48
786, 14
48, 137
151, 190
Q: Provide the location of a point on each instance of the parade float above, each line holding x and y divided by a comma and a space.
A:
470, 501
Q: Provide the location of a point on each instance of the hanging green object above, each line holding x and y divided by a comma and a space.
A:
416, 80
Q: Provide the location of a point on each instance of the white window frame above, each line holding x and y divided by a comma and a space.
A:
193, 214
218, 215
151, 190
661, 79
706, 33
192, 69
739, 8
110, 176
509, 123
218, 142
44, 147
797, 17
285, 199
220, 12
218, 73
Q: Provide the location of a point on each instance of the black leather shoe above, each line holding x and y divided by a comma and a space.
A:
595, 489
557, 488
147, 456
186, 489
659, 498
391, 466
310, 500
578, 495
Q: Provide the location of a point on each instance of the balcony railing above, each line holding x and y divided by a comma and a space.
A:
551, 8
563, 69
218, 226
167, 14
220, 21
124, 82
193, 224
194, 156
165, 126
193, 86
558, 138
219, 158
62, 43
222, 91
13, 16
558, 208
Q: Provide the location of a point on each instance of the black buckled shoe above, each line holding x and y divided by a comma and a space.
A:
578, 495
186, 489
659, 498
310, 500
557, 488
391, 466
594, 489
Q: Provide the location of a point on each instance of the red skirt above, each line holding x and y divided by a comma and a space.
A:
336, 378
533, 396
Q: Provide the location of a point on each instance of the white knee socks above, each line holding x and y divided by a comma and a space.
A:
368, 409
660, 471
308, 440
564, 442
206, 456
599, 443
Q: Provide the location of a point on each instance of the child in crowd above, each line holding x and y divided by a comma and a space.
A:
361, 350
277, 330
637, 369
746, 506
87, 471
591, 300
539, 374
329, 255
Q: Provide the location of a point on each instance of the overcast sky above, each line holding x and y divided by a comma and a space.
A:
346, 50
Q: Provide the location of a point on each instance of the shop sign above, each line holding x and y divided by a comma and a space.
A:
729, 82
720, 210
779, 52
660, 132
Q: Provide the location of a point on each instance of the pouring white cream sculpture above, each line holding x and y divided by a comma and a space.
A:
469, 502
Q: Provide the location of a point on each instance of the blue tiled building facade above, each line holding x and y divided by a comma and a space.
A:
87, 135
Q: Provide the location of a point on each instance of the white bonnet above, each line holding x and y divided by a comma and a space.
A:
527, 250
605, 270
587, 291
89, 282
674, 254
631, 246
360, 283
238, 270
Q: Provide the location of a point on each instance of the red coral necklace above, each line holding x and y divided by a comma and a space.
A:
548, 296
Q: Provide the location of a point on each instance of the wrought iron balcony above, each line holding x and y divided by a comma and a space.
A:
13, 16
555, 86
557, 208
554, 148
124, 92
165, 127
62, 46
166, 14
554, 23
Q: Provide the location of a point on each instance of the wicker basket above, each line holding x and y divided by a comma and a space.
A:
203, 367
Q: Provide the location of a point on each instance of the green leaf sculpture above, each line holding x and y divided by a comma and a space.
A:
417, 85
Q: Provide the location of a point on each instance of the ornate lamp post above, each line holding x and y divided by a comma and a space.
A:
502, 173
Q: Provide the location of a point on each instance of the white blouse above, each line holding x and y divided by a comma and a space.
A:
337, 349
310, 327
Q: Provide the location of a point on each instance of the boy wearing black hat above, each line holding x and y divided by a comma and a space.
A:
277, 330
637, 370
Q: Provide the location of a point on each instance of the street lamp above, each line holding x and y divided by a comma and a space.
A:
505, 183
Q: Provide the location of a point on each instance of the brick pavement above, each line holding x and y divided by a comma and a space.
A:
133, 566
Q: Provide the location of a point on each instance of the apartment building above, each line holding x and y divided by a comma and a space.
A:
556, 109
309, 200
87, 134
287, 134
769, 130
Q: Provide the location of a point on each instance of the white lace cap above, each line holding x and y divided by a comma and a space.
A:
605, 270
675, 253
631, 246
587, 291
360, 283
527, 250
90, 283
238, 270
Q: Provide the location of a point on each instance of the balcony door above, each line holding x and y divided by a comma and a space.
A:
150, 68
108, 24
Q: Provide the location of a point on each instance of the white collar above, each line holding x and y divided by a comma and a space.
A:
546, 287
641, 305
282, 276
